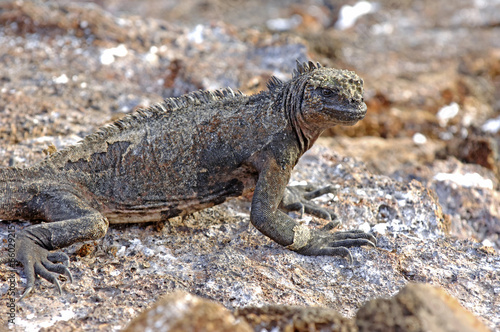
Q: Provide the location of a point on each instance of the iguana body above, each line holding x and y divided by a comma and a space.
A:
180, 156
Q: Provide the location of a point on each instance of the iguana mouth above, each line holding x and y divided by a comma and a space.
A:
350, 116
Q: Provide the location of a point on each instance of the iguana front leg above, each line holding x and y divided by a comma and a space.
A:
272, 222
71, 220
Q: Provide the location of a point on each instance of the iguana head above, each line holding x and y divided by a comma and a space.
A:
331, 96
318, 98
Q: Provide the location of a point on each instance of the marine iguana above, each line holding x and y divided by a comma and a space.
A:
183, 155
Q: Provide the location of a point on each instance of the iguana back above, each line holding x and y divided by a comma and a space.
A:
178, 156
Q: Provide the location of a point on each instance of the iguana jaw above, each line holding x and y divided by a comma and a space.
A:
348, 116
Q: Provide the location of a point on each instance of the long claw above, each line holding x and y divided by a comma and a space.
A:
320, 192
67, 273
30, 278
349, 258
58, 285
351, 243
27, 291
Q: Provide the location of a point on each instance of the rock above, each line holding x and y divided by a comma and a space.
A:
384, 156
481, 149
294, 318
417, 308
183, 312
468, 194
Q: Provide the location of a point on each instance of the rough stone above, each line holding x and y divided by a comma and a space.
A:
468, 194
294, 318
417, 308
183, 312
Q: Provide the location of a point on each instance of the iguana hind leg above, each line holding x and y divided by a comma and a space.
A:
70, 220
297, 198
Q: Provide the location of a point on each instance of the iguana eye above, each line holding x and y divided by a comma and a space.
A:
326, 92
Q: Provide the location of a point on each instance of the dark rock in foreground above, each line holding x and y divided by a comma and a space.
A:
183, 312
416, 308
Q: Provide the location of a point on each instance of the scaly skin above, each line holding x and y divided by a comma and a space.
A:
180, 156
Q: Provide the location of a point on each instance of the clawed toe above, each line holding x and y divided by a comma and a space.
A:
38, 261
323, 243
319, 192
330, 226
297, 198
335, 251
47, 271
59, 269
356, 235
58, 257
67, 273
352, 243
27, 291
317, 211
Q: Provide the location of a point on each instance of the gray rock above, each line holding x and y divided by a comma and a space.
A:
417, 307
183, 312
295, 318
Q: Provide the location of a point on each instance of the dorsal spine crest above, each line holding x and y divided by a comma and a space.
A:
273, 83
305, 67
168, 105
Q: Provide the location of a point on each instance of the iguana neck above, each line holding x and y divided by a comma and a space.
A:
292, 94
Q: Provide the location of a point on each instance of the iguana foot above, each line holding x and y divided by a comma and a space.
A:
297, 198
39, 261
322, 243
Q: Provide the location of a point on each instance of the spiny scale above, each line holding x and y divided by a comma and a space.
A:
273, 83
306, 67
159, 109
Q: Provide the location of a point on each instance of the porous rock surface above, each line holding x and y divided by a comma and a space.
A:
69, 68
416, 308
